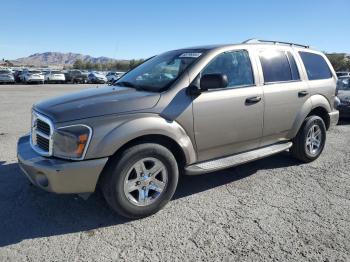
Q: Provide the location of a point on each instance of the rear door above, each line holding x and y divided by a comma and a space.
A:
284, 91
225, 121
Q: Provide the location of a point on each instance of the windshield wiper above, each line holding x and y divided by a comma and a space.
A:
138, 88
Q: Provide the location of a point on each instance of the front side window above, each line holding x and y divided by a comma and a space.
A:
235, 65
278, 66
315, 65
160, 72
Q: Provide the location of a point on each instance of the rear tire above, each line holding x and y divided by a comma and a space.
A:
132, 184
310, 140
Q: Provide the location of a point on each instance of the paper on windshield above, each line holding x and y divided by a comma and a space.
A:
190, 55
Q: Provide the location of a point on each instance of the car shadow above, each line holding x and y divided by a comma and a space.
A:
28, 212
189, 185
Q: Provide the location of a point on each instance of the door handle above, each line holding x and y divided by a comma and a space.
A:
303, 93
252, 100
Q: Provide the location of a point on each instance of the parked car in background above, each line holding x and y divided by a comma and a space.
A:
341, 74
97, 78
17, 75
187, 111
113, 76
32, 76
76, 76
6, 76
54, 76
343, 93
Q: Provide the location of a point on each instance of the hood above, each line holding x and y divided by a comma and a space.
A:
96, 102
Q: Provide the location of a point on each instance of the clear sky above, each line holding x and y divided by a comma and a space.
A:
139, 29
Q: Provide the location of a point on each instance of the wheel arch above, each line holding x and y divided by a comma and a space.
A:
316, 105
323, 113
163, 140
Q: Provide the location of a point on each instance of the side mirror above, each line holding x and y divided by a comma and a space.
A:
213, 81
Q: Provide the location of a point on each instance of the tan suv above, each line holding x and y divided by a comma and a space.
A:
189, 111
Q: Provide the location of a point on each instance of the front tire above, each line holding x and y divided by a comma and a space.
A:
141, 180
310, 140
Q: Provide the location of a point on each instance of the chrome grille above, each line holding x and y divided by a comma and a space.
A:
43, 127
41, 134
43, 143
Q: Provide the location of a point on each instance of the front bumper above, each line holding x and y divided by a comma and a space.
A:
57, 175
334, 118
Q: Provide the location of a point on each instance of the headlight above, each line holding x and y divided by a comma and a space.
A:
71, 142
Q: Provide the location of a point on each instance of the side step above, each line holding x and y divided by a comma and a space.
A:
235, 160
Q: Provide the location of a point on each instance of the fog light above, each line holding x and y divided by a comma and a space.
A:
41, 180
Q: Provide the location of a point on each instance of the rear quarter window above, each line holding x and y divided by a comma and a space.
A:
316, 66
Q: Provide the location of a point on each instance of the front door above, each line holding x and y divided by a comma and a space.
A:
229, 120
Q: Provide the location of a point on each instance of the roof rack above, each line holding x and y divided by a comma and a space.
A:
255, 41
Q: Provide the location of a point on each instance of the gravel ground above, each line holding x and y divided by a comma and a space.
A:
272, 209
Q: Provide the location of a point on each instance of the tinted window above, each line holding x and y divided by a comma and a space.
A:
235, 65
315, 65
276, 67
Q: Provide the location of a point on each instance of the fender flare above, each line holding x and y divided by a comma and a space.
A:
143, 126
313, 102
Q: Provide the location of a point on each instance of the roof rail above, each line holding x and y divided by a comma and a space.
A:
255, 41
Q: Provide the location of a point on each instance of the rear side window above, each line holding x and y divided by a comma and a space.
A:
315, 65
278, 66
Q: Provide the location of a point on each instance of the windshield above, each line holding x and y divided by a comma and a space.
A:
5, 72
56, 72
34, 72
159, 72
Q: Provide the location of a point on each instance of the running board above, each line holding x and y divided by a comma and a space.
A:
235, 160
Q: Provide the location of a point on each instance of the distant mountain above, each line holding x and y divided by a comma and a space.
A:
58, 59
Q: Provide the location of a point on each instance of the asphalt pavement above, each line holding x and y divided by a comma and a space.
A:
275, 209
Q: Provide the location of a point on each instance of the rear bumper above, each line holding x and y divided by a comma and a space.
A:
56, 175
333, 117
35, 80
56, 79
